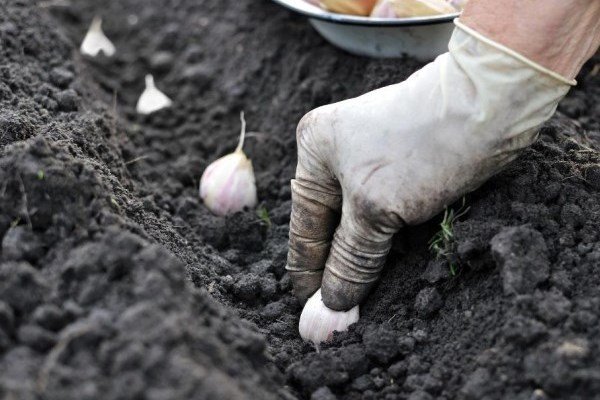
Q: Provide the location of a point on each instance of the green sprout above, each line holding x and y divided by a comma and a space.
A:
442, 243
263, 214
41, 175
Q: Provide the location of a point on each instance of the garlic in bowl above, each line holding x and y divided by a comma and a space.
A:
422, 37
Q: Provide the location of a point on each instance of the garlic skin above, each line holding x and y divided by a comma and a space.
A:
318, 322
152, 99
228, 184
95, 41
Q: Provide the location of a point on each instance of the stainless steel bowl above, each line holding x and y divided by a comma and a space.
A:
421, 37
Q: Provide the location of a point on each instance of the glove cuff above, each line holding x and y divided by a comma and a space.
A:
514, 54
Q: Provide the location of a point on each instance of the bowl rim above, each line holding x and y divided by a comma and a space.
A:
304, 8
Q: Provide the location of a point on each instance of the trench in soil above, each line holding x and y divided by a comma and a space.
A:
117, 213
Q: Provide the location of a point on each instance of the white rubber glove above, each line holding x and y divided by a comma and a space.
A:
400, 154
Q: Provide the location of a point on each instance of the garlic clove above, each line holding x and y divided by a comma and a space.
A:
384, 9
458, 4
95, 41
318, 322
228, 185
411, 8
152, 99
354, 7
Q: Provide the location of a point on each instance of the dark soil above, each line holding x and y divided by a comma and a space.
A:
117, 283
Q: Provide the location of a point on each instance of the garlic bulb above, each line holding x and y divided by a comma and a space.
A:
318, 322
228, 185
95, 41
152, 99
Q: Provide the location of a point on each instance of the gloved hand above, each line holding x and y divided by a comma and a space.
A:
398, 155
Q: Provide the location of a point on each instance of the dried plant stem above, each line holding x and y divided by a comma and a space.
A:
242, 133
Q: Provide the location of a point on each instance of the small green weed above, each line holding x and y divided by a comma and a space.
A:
442, 243
263, 214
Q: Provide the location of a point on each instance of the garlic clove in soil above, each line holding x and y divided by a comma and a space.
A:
95, 41
152, 99
228, 184
318, 322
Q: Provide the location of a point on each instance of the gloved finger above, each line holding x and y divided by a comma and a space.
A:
315, 214
357, 256
316, 205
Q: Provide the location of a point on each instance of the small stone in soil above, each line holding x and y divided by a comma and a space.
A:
428, 302
67, 100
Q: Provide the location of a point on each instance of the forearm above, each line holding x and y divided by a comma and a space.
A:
560, 35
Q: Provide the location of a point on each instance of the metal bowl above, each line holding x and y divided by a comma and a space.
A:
421, 37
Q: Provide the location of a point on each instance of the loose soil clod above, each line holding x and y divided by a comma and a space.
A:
116, 282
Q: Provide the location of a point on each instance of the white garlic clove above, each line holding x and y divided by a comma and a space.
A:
152, 99
384, 9
95, 41
411, 8
458, 4
228, 184
318, 322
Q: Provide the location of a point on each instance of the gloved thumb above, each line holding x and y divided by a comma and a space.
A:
357, 256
